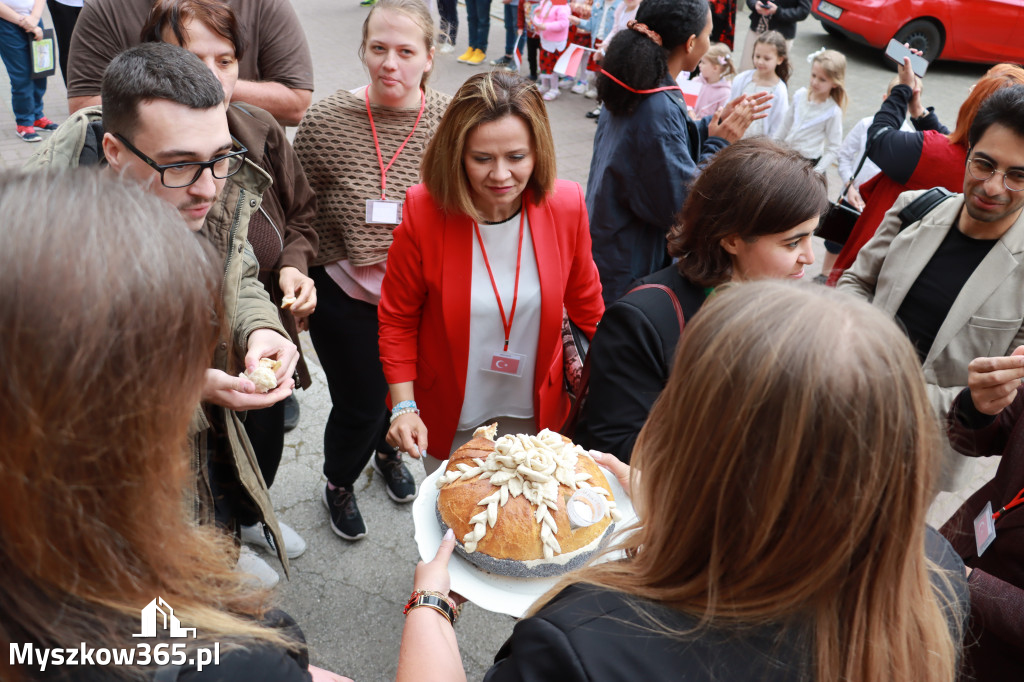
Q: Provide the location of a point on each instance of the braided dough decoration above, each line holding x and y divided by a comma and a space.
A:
541, 469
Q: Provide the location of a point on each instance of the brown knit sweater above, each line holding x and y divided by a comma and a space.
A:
335, 145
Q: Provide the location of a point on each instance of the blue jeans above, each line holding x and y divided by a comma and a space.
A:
511, 11
26, 92
478, 19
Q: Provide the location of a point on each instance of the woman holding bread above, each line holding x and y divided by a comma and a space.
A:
491, 250
361, 150
783, 533
725, 233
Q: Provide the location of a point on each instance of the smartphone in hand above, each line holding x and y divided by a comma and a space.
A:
896, 51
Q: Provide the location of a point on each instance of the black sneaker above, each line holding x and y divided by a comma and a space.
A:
504, 62
291, 413
346, 521
398, 481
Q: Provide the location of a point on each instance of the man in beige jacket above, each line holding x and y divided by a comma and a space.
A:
954, 279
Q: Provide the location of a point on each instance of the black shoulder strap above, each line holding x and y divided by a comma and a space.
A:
922, 206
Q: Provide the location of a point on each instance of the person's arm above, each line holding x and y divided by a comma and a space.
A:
792, 15
983, 415
732, 122
288, 105
786, 125
996, 606
298, 204
851, 150
627, 374
895, 151
833, 140
399, 315
94, 43
862, 277
430, 651
582, 298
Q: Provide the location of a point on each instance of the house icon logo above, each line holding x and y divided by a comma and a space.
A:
151, 619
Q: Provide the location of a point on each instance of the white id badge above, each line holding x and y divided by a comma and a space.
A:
984, 529
504, 362
383, 212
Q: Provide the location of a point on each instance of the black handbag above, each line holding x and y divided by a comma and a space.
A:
837, 224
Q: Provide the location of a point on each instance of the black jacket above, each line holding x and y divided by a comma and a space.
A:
784, 20
630, 359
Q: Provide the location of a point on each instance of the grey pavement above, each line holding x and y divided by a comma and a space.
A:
348, 597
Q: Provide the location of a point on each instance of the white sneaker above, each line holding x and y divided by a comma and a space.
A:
260, 572
294, 545
579, 88
591, 93
447, 48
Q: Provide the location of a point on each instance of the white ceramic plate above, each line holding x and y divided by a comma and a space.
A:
498, 593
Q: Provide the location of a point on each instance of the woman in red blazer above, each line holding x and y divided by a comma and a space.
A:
490, 251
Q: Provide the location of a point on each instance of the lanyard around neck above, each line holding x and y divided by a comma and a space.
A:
376, 143
642, 92
1013, 504
506, 323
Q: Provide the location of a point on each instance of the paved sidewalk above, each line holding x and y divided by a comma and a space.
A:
348, 597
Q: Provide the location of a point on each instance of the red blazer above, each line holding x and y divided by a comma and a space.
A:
424, 307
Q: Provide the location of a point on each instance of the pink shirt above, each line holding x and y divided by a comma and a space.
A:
712, 96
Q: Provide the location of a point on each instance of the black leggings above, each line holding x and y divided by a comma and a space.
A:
64, 19
344, 334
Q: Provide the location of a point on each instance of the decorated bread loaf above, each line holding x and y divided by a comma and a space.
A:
526, 506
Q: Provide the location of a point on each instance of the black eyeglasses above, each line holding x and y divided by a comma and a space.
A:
177, 175
983, 169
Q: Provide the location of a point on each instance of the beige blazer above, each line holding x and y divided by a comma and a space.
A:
986, 318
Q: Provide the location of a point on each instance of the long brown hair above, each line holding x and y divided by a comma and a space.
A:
109, 323
785, 473
999, 76
752, 188
483, 98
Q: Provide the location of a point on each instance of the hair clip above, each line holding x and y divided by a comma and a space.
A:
814, 55
723, 59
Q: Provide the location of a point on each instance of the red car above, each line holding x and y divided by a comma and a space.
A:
963, 30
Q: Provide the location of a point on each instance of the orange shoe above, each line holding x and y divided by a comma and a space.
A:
467, 55
477, 58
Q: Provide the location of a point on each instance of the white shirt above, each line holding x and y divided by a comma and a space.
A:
814, 129
853, 148
491, 394
22, 7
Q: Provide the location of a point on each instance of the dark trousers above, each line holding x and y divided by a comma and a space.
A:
344, 334
532, 46
265, 429
511, 10
449, 20
64, 19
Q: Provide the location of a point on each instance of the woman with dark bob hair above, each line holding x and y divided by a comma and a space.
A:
725, 233
781, 483
491, 250
647, 149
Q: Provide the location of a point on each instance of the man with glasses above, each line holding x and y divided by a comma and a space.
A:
163, 125
954, 278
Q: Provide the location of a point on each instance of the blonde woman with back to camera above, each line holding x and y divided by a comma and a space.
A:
361, 151
782, 482
95, 519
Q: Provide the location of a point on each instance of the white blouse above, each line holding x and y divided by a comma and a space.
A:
490, 394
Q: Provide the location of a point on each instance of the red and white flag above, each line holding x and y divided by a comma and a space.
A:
690, 91
569, 63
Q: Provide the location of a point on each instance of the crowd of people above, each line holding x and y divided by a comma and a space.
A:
782, 441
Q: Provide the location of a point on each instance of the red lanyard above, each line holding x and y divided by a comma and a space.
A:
642, 92
505, 323
1013, 504
380, 159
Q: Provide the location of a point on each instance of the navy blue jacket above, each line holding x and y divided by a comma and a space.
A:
640, 174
